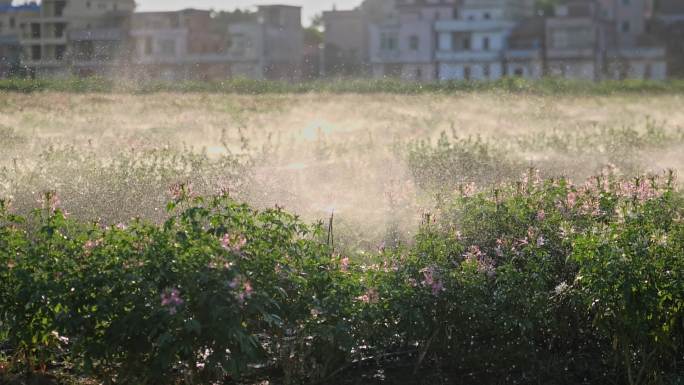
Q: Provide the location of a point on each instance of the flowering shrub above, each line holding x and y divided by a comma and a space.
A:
538, 281
218, 288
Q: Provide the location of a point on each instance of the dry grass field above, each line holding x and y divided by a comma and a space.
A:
113, 156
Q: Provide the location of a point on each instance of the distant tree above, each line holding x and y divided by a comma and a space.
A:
546, 7
317, 22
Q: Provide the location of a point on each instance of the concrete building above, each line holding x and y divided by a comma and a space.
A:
574, 40
633, 52
404, 44
345, 43
73, 35
669, 12
282, 41
11, 18
604, 39
191, 44
472, 43
525, 54
176, 45
668, 27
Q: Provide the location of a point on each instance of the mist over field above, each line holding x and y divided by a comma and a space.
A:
358, 156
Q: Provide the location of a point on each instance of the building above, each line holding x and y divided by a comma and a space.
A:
404, 44
668, 27
71, 36
282, 41
11, 18
525, 54
575, 41
472, 43
176, 45
345, 43
604, 39
669, 12
632, 51
194, 44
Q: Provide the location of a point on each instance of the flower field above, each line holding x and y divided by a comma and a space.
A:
428, 242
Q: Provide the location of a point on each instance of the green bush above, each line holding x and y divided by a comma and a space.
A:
364, 86
539, 281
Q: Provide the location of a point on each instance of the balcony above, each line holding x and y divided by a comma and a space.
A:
523, 54
639, 53
570, 53
99, 34
468, 56
473, 25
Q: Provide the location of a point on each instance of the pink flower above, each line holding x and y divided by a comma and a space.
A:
233, 242
541, 215
571, 199
432, 280
171, 299
51, 201
344, 264
437, 287
246, 292
371, 296
90, 245
484, 263
180, 191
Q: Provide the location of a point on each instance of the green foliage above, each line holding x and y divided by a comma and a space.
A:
362, 86
455, 162
539, 281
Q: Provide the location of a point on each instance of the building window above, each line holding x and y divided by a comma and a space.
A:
35, 30
626, 26
59, 8
419, 73
388, 42
148, 45
60, 50
487, 16
466, 73
59, 30
12, 22
455, 15
35, 52
486, 71
414, 43
466, 43
167, 47
518, 72
485, 44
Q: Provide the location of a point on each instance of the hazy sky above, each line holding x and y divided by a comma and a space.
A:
310, 7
